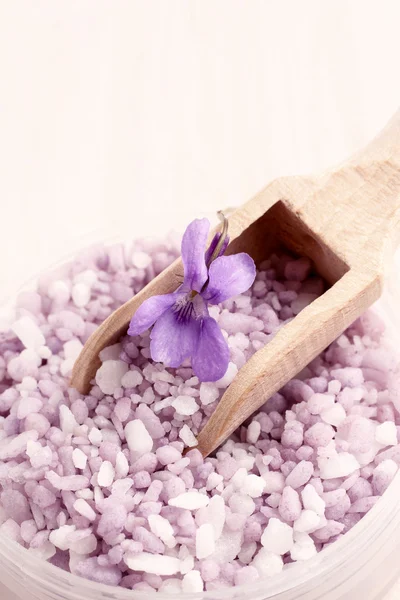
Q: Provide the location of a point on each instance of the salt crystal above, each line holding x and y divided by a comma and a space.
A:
59, 291
79, 458
68, 422
192, 582
304, 547
72, 349
253, 432
140, 260
28, 406
84, 509
213, 480
80, 294
190, 500
60, 538
253, 485
84, 546
185, 405
277, 537
167, 455
208, 393
229, 376
131, 379
105, 476
162, 529
216, 513
274, 482
95, 436
121, 465
187, 437
386, 433
205, 543
307, 522
312, 501
334, 415
109, 375
242, 504
138, 438
153, 563
227, 546
28, 332
338, 465
300, 475
267, 563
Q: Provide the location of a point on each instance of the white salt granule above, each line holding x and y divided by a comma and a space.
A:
131, 379
163, 529
153, 563
312, 501
72, 349
187, 437
121, 465
208, 393
205, 543
267, 563
185, 405
68, 422
28, 332
138, 438
27, 406
60, 538
190, 500
334, 415
338, 465
308, 522
229, 376
277, 537
140, 260
253, 485
106, 473
84, 509
386, 433
95, 436
79, 458
192, 582
109, 375
80, 294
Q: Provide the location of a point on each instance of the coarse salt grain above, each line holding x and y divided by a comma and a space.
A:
105, 476
153, 563
185, 405
190, 500
138, 438
277, 537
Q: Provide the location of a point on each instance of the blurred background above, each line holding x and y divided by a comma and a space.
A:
129, 117
132, 117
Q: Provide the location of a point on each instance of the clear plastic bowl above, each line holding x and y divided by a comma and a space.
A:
363, 564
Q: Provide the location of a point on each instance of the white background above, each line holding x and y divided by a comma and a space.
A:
132, 116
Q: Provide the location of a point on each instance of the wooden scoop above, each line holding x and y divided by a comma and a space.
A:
347, 221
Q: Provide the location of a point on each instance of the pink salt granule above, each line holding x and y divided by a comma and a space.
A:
99, 484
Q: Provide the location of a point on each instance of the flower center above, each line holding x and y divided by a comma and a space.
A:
184, 309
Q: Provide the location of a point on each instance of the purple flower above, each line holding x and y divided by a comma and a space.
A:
183, 327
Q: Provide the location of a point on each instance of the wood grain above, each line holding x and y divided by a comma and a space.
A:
346, 220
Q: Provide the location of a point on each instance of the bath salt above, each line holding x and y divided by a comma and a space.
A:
112, 481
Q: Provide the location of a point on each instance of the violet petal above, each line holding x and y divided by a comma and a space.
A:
193, 254
229, 276
211, 355
172, 340
151, 310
